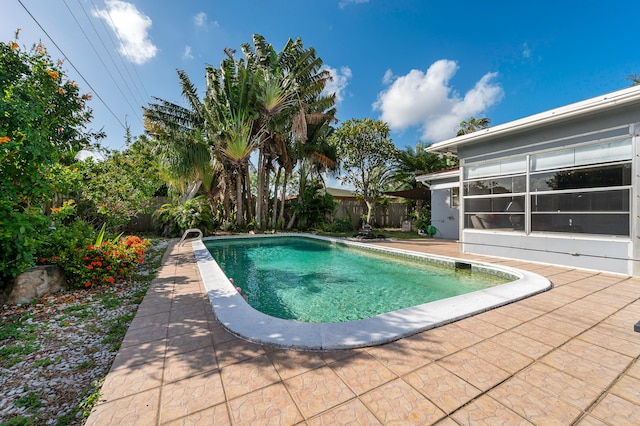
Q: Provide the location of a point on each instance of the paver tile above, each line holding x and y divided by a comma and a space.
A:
244, 377
193, 394
237, 350
353, 412
398, 403
628, 388
541, 334
522, 344
138, 409
487, 411
187, 364
616, 411
442, 387
581, 394
318, 390
217, 415
362, 372
269, 406
292, 363
534, 404
477, 371
597, 354
508, 359
584, 369
129, 380
399, 357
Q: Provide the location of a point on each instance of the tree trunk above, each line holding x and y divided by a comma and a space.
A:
370, 207
260, 189
247, 180
239, 198
191, 191
274, 214
283, 198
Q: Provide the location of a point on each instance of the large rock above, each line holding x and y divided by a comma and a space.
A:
36, 282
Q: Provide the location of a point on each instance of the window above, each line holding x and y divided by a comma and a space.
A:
583, 189
454, 197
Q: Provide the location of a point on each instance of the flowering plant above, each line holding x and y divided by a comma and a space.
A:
102, 263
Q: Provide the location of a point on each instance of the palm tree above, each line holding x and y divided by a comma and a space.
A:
237, 149
472, 125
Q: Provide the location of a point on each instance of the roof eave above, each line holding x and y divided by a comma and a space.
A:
589, 106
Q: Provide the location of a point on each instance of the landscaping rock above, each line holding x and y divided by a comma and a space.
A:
36, 282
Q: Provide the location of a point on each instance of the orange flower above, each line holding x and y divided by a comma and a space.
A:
4, 139
53, 74
13, 45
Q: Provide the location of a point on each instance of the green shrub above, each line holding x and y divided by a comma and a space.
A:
338, 225
173, 220
102, 263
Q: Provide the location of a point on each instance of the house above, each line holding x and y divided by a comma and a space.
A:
558, 187
445, 202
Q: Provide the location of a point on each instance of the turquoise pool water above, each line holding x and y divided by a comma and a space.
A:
317, 281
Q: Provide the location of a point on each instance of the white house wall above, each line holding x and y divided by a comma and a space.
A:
615, 254
445, 218
572, 251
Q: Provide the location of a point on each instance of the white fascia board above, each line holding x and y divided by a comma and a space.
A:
598, 104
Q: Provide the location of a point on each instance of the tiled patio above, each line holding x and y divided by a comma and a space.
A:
566, 356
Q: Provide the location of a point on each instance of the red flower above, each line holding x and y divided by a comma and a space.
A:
89, 267
87, 284
108, 268
86, 258
54, 258
140, 259
122, 271
90, 247
43, 260
110, 279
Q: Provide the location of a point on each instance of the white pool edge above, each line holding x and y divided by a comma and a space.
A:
237, 316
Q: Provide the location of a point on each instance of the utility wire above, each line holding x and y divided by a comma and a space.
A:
72, 65
141, 98
103, 64
124, 46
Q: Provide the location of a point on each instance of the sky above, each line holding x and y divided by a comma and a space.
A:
421, 66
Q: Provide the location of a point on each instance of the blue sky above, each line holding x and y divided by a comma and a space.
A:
422, 66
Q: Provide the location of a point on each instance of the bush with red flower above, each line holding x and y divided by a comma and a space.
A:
102, 263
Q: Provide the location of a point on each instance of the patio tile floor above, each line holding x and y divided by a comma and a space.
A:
566, 356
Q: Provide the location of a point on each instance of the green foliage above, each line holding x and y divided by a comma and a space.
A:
338, 225
108, 262
121, 186
424, 220
41, 127
173, 220
20, 237
367, 155
313, 205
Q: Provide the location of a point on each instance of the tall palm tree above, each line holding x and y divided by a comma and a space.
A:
238, 146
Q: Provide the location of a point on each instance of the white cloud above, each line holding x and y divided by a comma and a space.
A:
338, 83
427, 100
345, 3
131, 26
200, 20
526, 51
187, 52
388, 77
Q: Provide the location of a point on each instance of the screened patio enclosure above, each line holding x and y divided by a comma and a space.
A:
557, 187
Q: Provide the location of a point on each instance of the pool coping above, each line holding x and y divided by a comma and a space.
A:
239, 318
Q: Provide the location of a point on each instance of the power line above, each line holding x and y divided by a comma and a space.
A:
124, 46
102, 62
141, 98
72, 65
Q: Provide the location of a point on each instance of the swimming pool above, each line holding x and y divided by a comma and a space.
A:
312, 280
238, 317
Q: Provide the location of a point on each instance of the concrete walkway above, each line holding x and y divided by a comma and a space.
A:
567, 356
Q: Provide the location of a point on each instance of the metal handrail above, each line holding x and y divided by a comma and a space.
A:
190, 231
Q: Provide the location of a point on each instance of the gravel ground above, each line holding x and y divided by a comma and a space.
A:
54, 353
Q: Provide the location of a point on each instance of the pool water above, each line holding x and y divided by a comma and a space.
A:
317, 281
